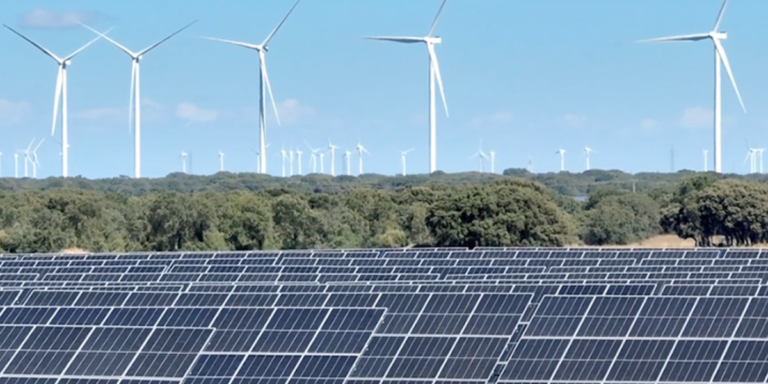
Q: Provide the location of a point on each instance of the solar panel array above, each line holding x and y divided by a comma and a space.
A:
437, 316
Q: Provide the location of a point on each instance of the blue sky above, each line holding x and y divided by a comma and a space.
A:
527, 77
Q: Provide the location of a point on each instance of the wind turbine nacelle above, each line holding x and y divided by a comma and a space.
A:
434, 39
719, 35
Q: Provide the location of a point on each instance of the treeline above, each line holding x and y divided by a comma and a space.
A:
565, 183
498, 211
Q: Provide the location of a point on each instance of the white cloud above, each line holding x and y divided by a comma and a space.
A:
195, 114
696, 117
291, 111
12, 112
150, 111
650, 125
44, 18
574, 120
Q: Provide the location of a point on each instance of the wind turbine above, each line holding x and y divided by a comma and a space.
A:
482, 157
298, 160
290, 162
134, 105
262, 49
706, 159
530, 163
434, 72
183, 158
33, 159
322, 162
283, 156
562, 159
60, 97
751, 157
27, 157
403, 154
760, 158
348, 157
332, 151
221, 161
360, 150
716, 37
587, 151
313, 156
16, 164
492, 154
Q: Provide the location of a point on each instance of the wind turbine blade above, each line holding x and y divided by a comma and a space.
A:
29, 147
75, 53
436, 66
153, 46
721, 52
56, 100
720, 16
263, 65
434, 23
131, 101
38, 46
238, 43
38, 145
107, 38
694, 37
397, 39
272, 34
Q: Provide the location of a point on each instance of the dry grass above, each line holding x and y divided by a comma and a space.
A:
665, 241
74, 251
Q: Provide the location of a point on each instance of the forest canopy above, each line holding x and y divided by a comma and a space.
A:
251, 212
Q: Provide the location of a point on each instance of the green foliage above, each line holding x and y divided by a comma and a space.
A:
245, 211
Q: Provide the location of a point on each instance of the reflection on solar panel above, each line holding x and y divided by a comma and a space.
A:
489, 315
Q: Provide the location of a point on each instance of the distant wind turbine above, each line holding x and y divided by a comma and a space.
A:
322, 162
332, 151
221, 161
183, 158
561, 152
16, 164
492, 155
716, 37
298, 161
34, 160
60, 97
290, 162
360, 150
482, 157
434, 72
314, 152
587, 152
706, 159
134, 106
284, 157
348, 158
262, 49
403, 154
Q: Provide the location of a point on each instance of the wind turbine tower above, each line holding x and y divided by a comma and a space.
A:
298, 161
587, 151
264, 86
561, 152
34, 160
221, 161
403, 154
348, 158
434, 72
283, 157
332, 151
60, 97
183, 158
322, 162
706, 159
16, 164
492, 155
360, 150
716, 37
290, 162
